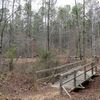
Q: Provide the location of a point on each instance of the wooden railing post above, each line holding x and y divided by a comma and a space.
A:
61, 83
75, 78
95, 67
92, 65
85, 73
34, 78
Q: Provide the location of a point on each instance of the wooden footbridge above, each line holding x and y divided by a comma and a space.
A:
75, 77
70, 76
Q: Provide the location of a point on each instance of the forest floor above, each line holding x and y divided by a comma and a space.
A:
20, 87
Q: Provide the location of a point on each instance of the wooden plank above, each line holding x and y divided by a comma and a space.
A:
95, 68
74, 78
44, 78
85, 73
66, 91
92, 68
61, 84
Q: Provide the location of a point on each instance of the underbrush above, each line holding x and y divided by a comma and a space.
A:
46, 60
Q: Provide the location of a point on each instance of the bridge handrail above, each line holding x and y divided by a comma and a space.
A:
59, 67
76, 69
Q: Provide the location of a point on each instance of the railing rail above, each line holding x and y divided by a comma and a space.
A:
58, 70
59, 67
76, 69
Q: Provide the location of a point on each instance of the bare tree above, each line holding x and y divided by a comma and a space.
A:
84, 43
79, 32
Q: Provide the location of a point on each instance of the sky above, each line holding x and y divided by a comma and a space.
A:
64, 2
71, 2
37, 3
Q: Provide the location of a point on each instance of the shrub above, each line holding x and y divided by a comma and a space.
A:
46, 60
11, 54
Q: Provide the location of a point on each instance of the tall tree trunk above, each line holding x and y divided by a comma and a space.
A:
1, 33
48, 27
79, 33
11, 31
93, 34
84, 29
